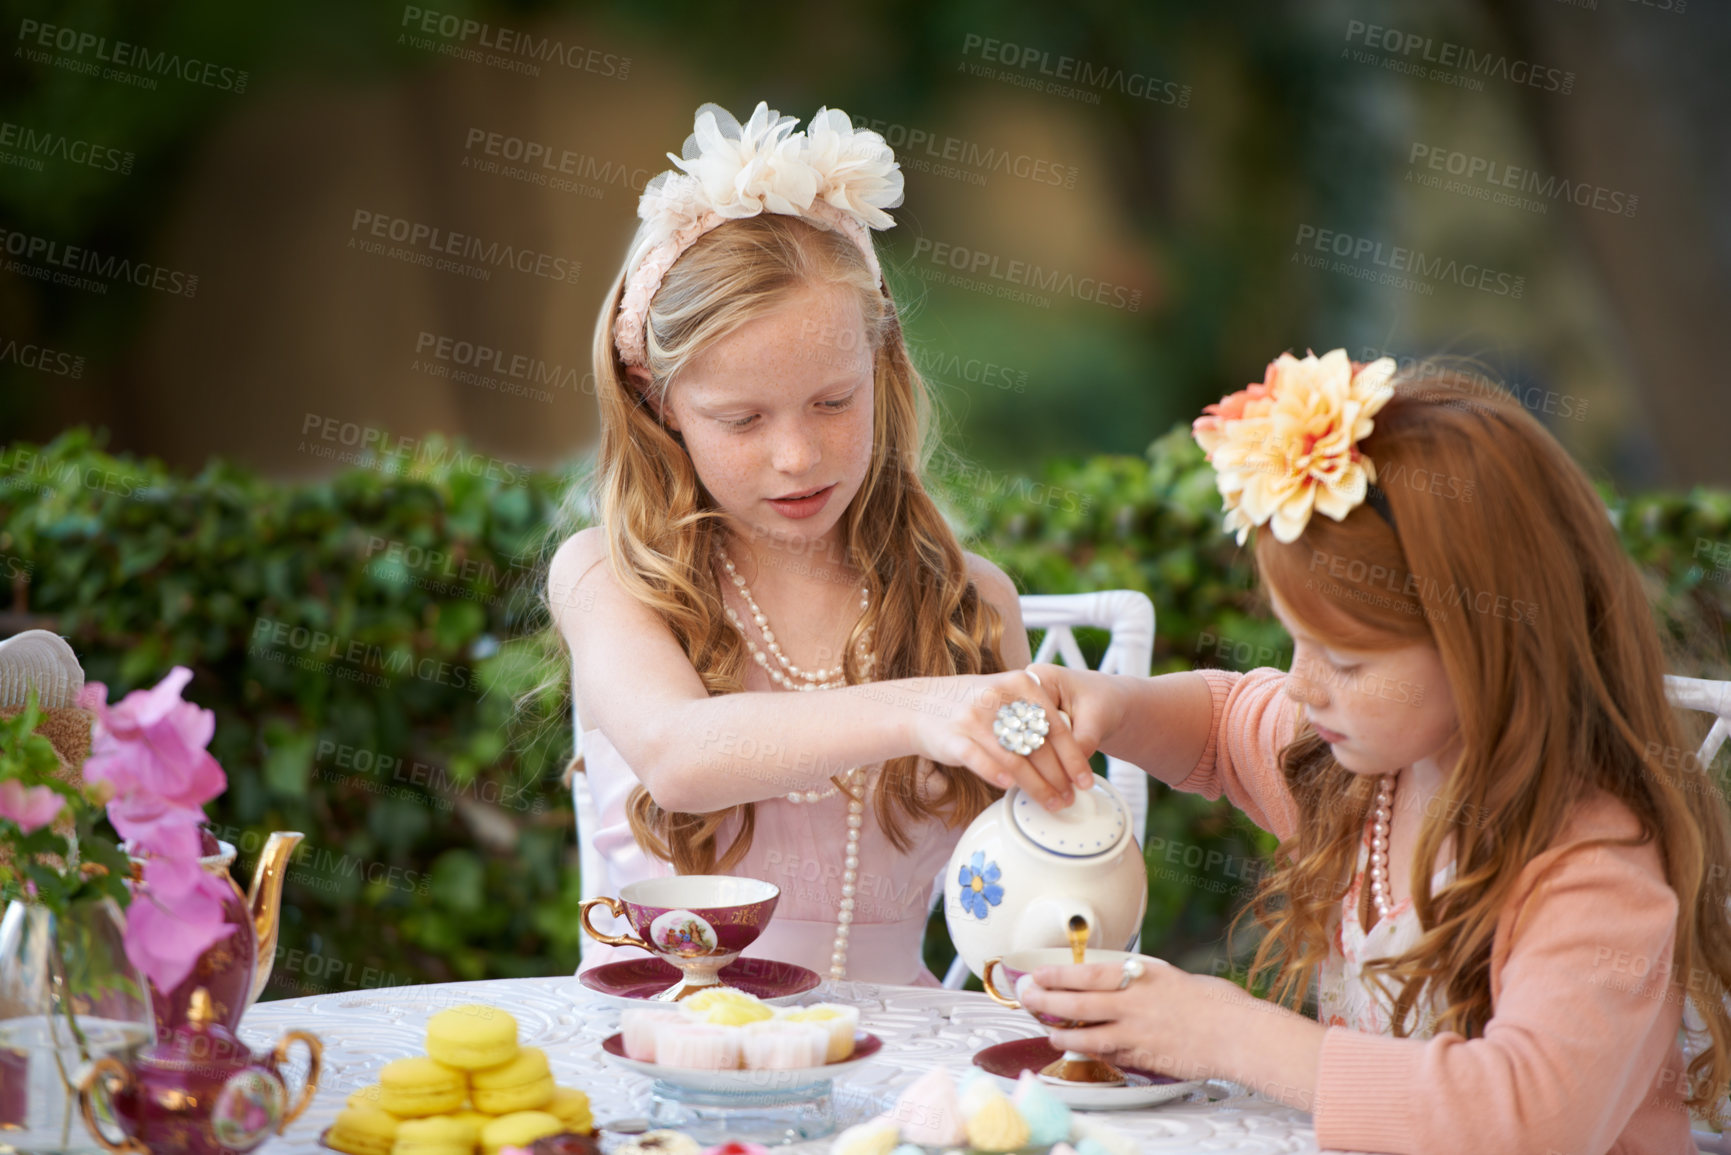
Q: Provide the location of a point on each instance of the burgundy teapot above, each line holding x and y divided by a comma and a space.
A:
200, 1091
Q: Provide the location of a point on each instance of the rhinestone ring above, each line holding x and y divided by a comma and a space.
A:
1133, 970
1021, 727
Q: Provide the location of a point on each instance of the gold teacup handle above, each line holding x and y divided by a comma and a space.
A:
617, 910
315, 1060
101, 1071
992, 987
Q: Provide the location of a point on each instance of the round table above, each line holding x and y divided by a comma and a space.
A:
362, 1030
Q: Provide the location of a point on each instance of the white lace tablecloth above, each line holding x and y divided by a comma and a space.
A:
921, 1028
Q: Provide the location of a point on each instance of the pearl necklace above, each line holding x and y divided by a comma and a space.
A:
1381, 889
808, 679
821, 680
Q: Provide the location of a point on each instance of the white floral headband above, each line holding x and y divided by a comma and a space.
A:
1289, 446
832, 174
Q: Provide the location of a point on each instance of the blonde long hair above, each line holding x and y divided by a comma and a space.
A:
661, 524
1559, 689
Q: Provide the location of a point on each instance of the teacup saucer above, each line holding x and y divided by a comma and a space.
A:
1145, 1088
634, 981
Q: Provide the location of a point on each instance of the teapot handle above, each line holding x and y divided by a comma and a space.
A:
100, 1072
315, 1057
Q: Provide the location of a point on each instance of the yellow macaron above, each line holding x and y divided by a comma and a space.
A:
437, 1135
472, 1037
572, 1108
362, 1131
523, 1084
412, 1088
518, 1130
475, 1119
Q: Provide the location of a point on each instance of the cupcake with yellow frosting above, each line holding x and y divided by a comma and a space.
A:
839, 1021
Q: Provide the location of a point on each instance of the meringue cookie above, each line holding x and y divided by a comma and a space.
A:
997, 1126
1047, 1117
930, 1112
878, 1137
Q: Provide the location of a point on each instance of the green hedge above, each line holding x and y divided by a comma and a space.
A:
364, 642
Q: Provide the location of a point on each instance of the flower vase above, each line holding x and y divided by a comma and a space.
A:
68, 997
225, 970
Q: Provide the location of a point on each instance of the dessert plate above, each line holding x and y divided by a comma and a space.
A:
636, 981
865, 1046
1145, 1088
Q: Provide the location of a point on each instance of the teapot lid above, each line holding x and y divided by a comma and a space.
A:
1089, 827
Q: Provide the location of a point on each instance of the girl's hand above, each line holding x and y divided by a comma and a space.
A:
1179, 1024
954, 726
1161, 1022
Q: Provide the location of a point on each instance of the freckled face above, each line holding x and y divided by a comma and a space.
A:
777, 415
1379, 710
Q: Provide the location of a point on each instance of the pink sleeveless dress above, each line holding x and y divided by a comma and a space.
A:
799, 847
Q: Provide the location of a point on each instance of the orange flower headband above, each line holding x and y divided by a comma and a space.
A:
1288, 447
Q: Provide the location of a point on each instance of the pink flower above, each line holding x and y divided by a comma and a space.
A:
150, 746
31, 807
174, 917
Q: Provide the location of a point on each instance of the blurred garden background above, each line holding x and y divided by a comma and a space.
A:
243, 406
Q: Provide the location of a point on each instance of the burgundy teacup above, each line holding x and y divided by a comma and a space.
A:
696, 922
1073, 1066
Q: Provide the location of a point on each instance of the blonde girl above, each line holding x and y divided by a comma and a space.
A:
764, 529
1496, 876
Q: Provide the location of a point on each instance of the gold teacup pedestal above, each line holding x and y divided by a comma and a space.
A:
1071, 1066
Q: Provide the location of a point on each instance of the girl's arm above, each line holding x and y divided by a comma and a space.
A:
1208, 732
698, 754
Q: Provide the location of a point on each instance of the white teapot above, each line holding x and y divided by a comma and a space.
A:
1021, 872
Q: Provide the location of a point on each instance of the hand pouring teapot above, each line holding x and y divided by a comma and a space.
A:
1021, 872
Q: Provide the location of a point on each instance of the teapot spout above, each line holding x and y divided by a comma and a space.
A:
264, 900
1048, 923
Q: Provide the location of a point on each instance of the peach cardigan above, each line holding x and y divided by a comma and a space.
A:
1581, 1053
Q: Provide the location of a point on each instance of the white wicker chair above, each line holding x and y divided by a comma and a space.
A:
1127, 614
1710, 697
